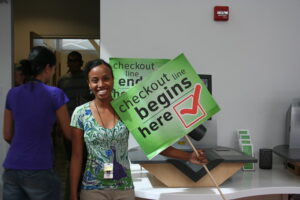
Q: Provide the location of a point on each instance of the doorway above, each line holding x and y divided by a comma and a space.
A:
87, 46
62, 26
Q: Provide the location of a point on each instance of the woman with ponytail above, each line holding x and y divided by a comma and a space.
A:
30, 112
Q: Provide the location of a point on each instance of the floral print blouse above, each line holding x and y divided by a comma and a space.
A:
103, 146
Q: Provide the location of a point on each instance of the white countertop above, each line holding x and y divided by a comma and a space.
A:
242, 184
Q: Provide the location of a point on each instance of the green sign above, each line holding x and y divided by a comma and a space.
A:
129, 71
165, 106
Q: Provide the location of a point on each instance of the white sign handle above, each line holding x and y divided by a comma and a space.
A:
206, 169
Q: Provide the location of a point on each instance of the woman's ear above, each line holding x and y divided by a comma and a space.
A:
89, 87
48, 68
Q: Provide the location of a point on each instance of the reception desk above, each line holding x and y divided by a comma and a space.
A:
273, 184
223, 162
260, 184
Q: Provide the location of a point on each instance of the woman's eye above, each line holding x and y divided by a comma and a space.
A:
94, 80
106, 78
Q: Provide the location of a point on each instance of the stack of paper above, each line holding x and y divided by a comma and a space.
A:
246, 146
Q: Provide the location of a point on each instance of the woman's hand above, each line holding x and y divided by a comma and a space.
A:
183, 155
199, 160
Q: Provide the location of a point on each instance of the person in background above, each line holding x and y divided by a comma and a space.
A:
107, 172
19, 75
74, 84
76, 88
31, 110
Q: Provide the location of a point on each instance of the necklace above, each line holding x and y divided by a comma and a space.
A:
101, 117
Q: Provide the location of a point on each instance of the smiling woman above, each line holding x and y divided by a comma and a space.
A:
107, 170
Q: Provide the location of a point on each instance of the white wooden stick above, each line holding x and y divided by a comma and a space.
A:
206, 169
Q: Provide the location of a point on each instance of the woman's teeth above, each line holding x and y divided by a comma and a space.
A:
101, 92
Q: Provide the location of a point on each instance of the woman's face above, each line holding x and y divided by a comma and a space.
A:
101, 82
19, 78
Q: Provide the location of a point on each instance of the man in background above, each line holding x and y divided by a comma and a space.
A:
74, 84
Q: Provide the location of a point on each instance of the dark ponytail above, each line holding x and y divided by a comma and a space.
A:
25, 69
39, 57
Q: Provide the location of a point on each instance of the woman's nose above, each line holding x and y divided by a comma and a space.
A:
100, 83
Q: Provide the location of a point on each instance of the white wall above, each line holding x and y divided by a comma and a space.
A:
253, 58
5, 66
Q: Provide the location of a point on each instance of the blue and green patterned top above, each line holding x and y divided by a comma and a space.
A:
103, 146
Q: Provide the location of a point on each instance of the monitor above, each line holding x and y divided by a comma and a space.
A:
206, 78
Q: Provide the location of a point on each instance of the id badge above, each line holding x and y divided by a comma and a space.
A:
108, 170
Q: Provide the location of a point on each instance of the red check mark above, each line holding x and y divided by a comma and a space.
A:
196, 97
